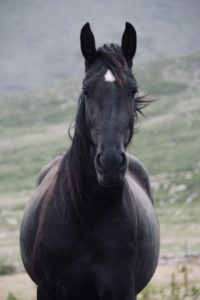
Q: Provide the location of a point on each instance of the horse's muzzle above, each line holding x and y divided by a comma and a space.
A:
110, 166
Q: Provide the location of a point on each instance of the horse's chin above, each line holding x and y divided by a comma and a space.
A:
110, 181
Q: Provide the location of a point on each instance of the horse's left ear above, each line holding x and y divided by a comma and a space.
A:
88, 47
129, 43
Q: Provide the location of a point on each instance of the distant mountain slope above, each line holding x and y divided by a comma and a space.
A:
170, 76
39, 40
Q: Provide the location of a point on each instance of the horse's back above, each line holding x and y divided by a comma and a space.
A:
147, 226
30, 222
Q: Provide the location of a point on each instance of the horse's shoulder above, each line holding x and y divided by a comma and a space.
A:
53, 166
45, 183
140, 173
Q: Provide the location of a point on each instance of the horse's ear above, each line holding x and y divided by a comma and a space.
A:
88, 47
129, 43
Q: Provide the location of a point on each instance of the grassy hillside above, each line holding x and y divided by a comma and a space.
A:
34, 130
168, 143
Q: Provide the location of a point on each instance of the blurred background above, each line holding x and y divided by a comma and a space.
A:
41, 69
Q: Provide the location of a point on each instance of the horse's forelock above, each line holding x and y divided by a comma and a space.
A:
112, 57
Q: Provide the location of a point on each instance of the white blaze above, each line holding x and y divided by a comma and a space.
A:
109, 76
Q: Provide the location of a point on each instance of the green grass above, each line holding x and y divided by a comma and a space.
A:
34, 130
180, 287
11, 297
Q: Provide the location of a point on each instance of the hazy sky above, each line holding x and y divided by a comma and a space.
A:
39, 40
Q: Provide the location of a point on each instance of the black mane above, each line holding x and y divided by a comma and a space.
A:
71, 168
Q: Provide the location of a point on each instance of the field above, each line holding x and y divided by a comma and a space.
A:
170, 282
34, 130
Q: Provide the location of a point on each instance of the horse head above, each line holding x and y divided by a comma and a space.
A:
109, 92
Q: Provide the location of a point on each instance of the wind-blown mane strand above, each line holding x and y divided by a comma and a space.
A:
71, 169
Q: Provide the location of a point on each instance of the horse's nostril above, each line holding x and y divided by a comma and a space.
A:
98, 162
123, 158
98, 159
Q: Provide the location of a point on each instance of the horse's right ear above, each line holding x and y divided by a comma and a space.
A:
129, 43
88, 47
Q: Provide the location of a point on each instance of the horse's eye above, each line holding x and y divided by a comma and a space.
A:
133, 95
134, 92
86, 93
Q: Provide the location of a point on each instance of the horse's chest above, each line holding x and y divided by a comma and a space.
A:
79, 256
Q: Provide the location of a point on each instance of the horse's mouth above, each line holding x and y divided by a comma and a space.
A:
108, 180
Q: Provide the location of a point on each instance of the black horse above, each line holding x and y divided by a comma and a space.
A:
90, 230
